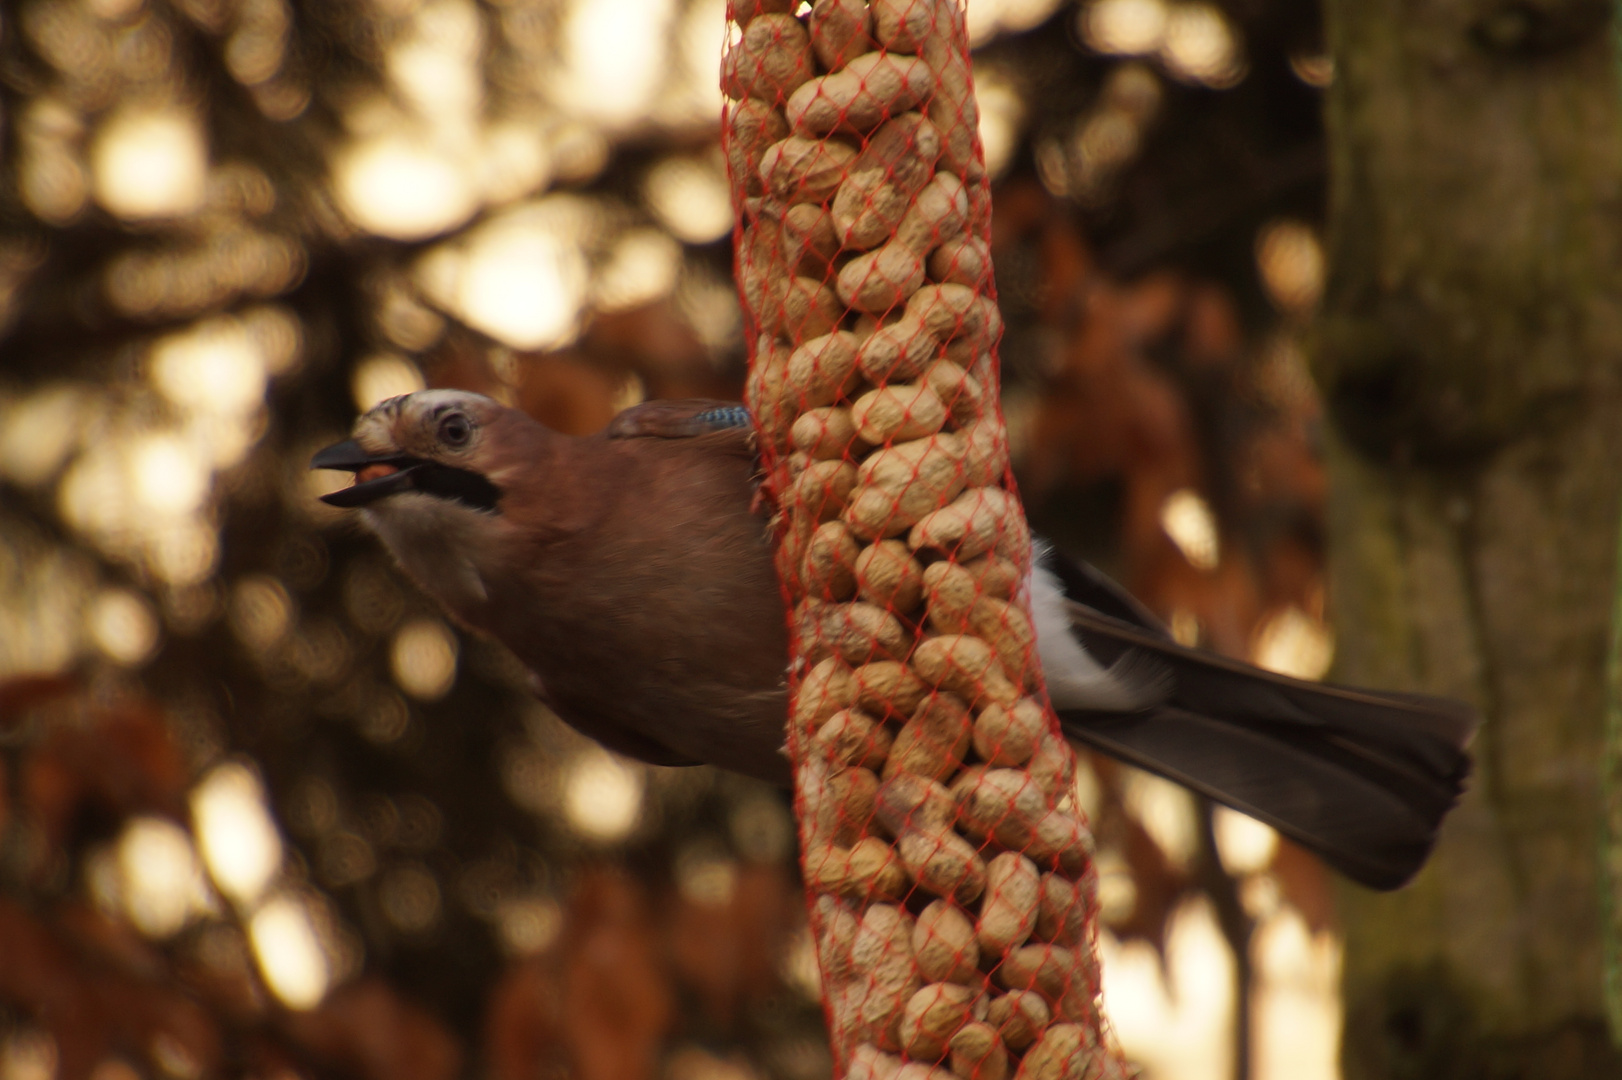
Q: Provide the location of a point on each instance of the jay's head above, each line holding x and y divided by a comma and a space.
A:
433, 445
431, 472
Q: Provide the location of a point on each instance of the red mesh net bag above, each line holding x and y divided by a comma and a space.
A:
948, 866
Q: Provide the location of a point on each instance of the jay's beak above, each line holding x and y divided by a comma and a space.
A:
375, 477
380, 475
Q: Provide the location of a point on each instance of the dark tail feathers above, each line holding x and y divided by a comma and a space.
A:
1362, 778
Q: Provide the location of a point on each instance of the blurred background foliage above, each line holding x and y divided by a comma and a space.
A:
264, 813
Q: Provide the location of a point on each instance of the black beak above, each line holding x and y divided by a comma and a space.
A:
388, 475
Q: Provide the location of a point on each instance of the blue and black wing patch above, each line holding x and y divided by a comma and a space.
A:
684, 419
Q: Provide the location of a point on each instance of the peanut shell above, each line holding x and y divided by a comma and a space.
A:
1004, 804
830, 563
904, 149
985, 460
939, 213
852, 794
905, 801
898, 412
770, 61
883, 949
948, 310
942, 862
888, 688
1063, 1052
867, 210
962, 260
960, 392
798, 170
900, 483
932, 1016
881, 280
1062, 837
1008, 734
868, 1062
825, 432
933, 743
763, 392
851, 737
943, 942
823, 489
809, 309
827, 688
752, 125
978, 1053
980, 520
856, 632
809, 243
839, 31
904, 25
821, 370
1061, 914
954, 108
1019, 1017
964, 665
994, 575
896, 350
836, 933
888, 575
870, 89
1053, 763
1008, 914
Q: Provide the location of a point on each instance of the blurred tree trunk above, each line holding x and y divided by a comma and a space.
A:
1470, 349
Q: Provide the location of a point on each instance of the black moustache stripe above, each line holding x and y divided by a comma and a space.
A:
459, 485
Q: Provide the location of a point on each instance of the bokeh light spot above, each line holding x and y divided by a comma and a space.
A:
1188, 520
159, 878
1200, 46
1002, 115
1244, 844
288, 948
1291, 260
124, 626
170, 478
689, 195
423, 659
382, 376
400, 187
607, 74
240, 844
37, 433
641, 267
1124, 27
214, 368
602, 795
150, 163
528, 925
1166, 812
1294, 643
523, 279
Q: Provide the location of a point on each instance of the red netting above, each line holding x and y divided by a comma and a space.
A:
948, 865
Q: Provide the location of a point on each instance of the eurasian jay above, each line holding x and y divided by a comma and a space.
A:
631, 571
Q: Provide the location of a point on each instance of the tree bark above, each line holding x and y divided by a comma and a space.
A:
1469, 349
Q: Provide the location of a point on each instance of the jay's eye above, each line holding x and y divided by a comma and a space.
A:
455, 430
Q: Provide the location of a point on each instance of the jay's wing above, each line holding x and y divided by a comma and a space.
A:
723, 425
1361, 777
